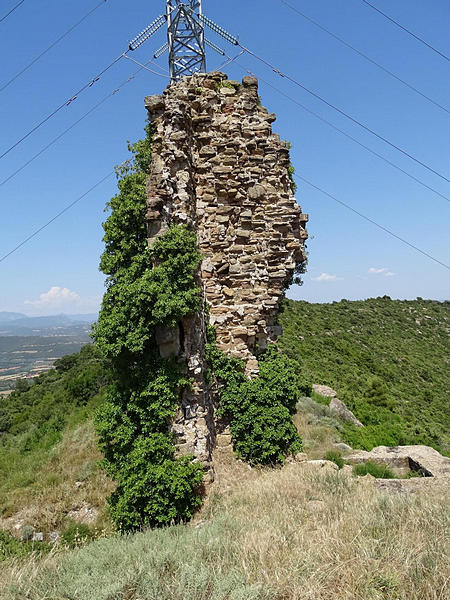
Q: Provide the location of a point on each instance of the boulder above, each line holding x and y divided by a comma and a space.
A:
328, 465
417, 485
343, 447
338, 409
324, 390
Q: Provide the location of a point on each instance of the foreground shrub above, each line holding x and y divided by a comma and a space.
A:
259, 410
76, 534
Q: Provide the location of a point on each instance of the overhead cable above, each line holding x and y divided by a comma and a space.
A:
343, 113
86, 114
136, 62
61, 106
59, 214
342, 132
299, 177
52, 45
360, 53
366, 218
133, 45
419, 39
12, 10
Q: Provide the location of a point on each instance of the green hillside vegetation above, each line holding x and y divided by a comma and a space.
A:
371, 352
387, 359
48, 443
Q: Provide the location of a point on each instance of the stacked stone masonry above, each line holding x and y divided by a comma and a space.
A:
218, 168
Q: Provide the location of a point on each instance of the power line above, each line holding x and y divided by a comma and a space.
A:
419, 39
12, 10
64, 210
61, 37
348, 206
347, 135
230, 60
140, 39
360, 53
61, 106
366, 218
301, 178
136, 62
86, 114
345, 114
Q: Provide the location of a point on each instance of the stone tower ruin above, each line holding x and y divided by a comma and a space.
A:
218, 168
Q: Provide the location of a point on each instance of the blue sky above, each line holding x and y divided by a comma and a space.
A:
349, 258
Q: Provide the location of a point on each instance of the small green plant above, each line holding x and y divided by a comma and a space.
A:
225, 84
291, 173
412, 474
374, 469
76, 534
335, 457
11, 547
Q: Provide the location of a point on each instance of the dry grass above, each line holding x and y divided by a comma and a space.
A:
289, 534
41, 487
317, 438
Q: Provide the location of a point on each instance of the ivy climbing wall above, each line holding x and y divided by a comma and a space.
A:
218, 168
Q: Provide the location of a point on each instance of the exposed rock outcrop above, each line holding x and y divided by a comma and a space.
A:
338, 409
324, 390
406, 458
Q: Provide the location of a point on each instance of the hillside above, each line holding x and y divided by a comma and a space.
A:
293, 529
30, 345
46, 432
387, 359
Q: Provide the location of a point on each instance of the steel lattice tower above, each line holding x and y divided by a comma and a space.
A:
186, 38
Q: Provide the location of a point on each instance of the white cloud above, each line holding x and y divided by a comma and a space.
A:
381, 271
61, 299
327, 277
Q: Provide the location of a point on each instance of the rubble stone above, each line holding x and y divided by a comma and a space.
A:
218, 168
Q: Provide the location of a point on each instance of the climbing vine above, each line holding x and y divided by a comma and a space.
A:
145, 288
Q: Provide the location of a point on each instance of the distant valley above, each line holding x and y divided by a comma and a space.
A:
30, 345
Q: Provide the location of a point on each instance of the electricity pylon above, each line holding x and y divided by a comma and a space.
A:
186, 39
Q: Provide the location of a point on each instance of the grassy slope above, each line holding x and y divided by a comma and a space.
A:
288, 534
282, 534
404, 344
48, 444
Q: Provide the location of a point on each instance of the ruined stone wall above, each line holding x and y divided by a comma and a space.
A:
218, 168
